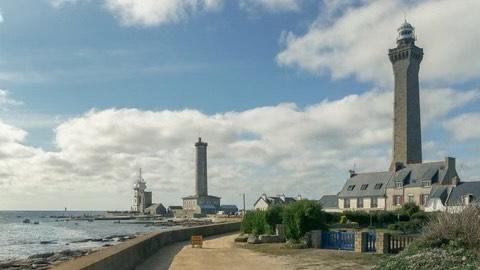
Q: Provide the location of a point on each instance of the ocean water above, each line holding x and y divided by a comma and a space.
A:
20, 240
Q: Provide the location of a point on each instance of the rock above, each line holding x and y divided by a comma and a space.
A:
242, 238
42, 255
270, 239
252, 239
47, 242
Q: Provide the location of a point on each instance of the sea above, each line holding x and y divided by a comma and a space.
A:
19, 240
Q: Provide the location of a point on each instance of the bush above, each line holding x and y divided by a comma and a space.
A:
460, 229
273, 216
417, 256
407, 227
254, 222
301, 217
409, 209
361, 217
333, 217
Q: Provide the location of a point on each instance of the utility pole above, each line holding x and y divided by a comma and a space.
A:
244, 204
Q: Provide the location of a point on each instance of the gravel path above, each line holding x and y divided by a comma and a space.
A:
221, 253
218, 253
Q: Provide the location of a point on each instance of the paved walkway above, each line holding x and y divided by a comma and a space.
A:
217, 253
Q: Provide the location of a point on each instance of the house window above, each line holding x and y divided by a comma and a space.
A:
411, 198
351, 187
359, 202
346, 203
398, 184
426, 183
364, 187
423, 199
378, 186
374, 202
397, 199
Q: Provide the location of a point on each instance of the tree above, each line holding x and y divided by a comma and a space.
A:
301, 217
273, 216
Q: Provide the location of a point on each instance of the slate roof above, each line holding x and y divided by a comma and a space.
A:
228, 206
175, 207
275, 200
464, 188
329, 201
413, 174
440, 192
369, 179
155, 206
196, 197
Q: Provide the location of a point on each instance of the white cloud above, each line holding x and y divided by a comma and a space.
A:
6, 100
355, 43
61, 3
272, 149
271, 5
1, 16
158, 12
464, 127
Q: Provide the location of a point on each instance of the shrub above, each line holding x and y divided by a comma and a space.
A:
333, 217
254, 222
461, 229
343, 220
273, 216
361, 217
417, 256
301, 217
409, 209
407, 227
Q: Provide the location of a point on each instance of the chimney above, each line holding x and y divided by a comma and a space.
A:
299, 197
264, 197
399, 166
282, 197
450, 163
352, 173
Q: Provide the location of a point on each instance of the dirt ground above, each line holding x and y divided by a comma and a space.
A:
222, 253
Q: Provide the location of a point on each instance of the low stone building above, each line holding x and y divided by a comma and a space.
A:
265, 201
156, 209
227, 209
176, 211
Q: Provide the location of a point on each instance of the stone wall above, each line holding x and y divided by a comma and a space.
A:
128, 255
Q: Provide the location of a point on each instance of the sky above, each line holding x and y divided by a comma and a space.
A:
289, 94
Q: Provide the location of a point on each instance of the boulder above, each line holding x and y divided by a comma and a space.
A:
242, 238
252, 239
42, 255
264, 238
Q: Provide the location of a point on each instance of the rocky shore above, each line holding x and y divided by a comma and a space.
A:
50, 259
43, 260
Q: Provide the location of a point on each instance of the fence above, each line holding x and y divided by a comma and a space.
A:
397, 243
378, 242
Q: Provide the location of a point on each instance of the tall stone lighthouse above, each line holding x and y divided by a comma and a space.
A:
201, 188
407, 134
201, 203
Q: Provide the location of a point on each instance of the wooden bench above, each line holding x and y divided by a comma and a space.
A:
197, 241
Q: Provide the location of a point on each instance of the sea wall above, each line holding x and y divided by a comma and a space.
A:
128, 255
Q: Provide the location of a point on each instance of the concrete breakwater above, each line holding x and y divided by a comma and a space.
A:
128, 255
